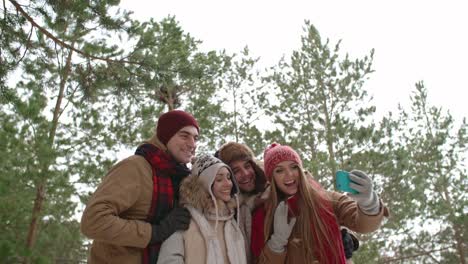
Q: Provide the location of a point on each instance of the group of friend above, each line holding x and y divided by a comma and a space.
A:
228, 207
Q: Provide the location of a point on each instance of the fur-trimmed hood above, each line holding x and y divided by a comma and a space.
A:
195, 189
194, 194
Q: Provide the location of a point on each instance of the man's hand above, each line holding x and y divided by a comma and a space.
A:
177, 219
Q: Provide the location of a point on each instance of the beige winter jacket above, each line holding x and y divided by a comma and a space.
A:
206, 240
115, 214
190, 246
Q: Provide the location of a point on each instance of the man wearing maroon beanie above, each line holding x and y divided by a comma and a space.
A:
133, 209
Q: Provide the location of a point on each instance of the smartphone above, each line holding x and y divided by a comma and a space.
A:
342, 182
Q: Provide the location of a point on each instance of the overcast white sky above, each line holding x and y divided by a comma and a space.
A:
414, 40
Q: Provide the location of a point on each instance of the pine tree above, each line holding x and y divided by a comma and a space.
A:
89, 82
425, 184
320, 106
240, 91
174, 73
49, 50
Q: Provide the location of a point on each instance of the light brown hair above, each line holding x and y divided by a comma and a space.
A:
313, 203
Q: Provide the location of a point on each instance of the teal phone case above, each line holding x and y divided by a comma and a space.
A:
342, 182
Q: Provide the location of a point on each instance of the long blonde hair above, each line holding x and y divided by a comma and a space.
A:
313, 203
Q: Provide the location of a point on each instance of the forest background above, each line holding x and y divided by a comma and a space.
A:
81, 82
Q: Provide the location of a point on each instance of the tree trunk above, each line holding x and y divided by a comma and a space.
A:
41, 185
460, 247
38, 202
236, 129
328, 131
456, 228
313, 142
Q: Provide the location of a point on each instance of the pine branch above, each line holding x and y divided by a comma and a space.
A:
26, 45
64, 44
425, 253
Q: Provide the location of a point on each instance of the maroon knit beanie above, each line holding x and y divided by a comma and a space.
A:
276, 153
171, 122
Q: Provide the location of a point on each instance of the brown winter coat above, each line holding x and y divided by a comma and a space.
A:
233, 151
347, 213
115, 214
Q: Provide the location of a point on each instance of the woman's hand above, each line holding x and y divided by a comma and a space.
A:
367, 199
281, 228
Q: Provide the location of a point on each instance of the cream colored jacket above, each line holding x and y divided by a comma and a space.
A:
212, 238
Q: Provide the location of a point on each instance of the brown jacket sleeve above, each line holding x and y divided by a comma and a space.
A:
116, 211
349, 214
268, 256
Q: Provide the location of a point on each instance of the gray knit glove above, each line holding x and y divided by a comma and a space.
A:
281, 228
367, 199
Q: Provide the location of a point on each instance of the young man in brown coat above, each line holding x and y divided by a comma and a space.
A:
134, 210
252, 183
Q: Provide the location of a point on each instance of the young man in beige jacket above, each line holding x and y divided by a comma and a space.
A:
134, 210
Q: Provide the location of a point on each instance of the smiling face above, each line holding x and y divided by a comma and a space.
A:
245, 174
286, 176
183, 144
222, 185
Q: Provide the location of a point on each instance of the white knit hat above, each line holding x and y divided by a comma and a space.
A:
206, 167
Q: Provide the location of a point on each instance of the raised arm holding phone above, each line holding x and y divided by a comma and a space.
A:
310, 230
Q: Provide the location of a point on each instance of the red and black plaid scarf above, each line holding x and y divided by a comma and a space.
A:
167, 175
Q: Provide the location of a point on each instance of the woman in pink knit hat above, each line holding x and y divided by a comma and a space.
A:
300, 221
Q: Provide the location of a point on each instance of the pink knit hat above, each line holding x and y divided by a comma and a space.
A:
276, 153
